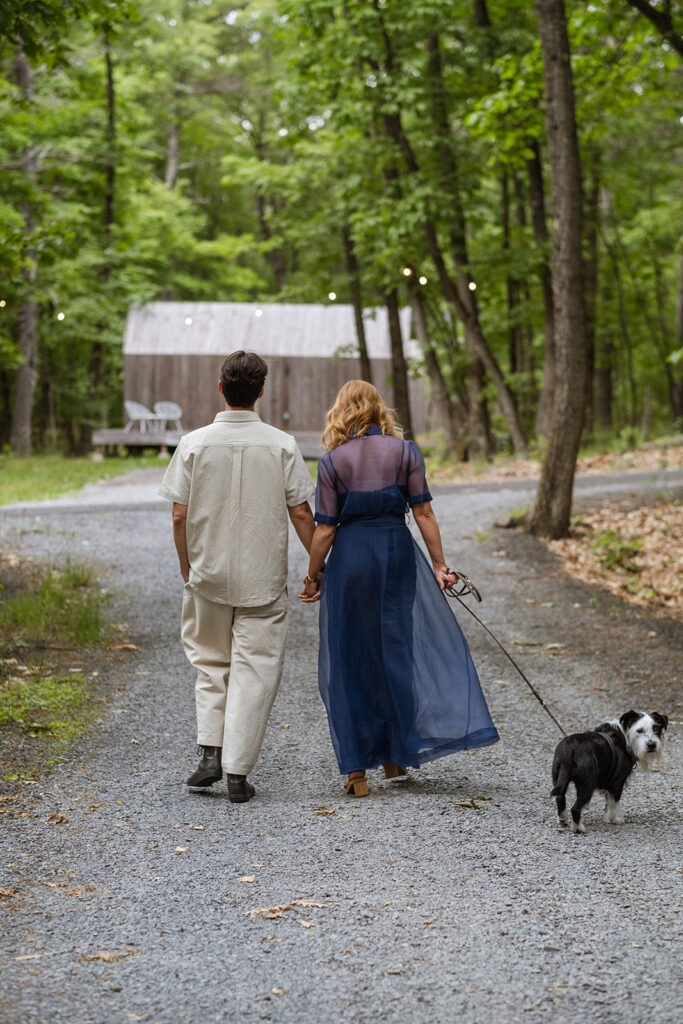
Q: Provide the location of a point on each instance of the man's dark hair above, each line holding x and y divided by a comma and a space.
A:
242, 377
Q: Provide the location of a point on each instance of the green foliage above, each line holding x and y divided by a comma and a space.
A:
50, 476
249, 139
65, 607
615, 552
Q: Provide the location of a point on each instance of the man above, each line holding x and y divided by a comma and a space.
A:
233, 485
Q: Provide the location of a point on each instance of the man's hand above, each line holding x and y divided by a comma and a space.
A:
180, 539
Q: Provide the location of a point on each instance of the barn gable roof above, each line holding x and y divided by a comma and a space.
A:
269, 328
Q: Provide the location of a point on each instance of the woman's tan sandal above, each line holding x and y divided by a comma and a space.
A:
357, 787
393, 771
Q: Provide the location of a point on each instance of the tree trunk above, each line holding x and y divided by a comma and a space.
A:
172, 151
449, 413
457, 291
538, 218
357, 300
678, 377
398, 364
552, 508
27, 374
625, 333
590, 276
96, 367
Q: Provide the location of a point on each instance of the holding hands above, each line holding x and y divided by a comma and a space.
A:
311, 591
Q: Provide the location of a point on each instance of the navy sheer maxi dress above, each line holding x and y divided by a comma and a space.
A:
395, 671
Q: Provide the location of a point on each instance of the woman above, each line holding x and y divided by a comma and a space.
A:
395, 671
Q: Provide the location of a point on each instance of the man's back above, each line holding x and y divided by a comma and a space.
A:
237, 476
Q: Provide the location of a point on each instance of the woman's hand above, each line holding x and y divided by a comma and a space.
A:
445, 577
310, 593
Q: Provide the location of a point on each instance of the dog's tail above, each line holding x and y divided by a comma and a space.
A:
561, 782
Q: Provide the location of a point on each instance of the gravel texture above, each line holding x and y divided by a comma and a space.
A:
432, 909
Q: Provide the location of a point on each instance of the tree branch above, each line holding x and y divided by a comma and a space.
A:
662, 21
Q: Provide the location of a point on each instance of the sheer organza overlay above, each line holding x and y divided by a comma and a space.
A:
395, 671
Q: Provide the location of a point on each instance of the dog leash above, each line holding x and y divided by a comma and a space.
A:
465, 590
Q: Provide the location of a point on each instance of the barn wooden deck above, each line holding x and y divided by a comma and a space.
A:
308, 441
113, 437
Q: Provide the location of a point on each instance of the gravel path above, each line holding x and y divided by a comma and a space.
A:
427, 909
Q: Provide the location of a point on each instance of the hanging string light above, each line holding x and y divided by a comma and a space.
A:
472, 286
332, 296
60, 316
423, 280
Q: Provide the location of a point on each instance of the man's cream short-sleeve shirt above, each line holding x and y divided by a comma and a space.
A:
237, 477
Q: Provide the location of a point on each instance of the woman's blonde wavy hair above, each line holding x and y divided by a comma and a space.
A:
358, 406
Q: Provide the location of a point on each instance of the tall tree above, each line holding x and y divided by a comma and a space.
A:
552, 508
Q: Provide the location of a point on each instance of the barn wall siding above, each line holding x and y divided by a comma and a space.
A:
298, 392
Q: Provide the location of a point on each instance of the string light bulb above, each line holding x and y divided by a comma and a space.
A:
2, 303
407, 271
60, 316
423, 280
258, 312
472, 286
332, 296
188, 321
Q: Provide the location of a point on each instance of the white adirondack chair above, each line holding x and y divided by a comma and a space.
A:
141, 415
169, 412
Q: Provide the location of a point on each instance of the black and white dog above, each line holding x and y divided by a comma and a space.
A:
604, 759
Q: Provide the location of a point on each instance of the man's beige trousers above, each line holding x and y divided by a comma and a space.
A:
238, 654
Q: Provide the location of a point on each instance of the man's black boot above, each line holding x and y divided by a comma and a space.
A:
239, 790
209, 770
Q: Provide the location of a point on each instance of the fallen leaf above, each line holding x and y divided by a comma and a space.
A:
57, 818
430, 921
138, 1016
6, 893
324, 810
181, 849
29, 956
272, 912
247, 878
398, 970
122, 800
9, 799
196, 828
305, 924
110, 958
279, 991
124, 647
285, 725
93, 807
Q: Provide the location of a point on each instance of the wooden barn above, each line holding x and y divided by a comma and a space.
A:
173, 352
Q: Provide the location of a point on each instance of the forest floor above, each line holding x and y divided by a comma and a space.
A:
453, 895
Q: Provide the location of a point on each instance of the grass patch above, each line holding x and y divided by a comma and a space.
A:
45, 705
52, 618
50, 476
63, 607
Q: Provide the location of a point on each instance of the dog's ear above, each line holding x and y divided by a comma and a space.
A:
661, 720
627, 720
